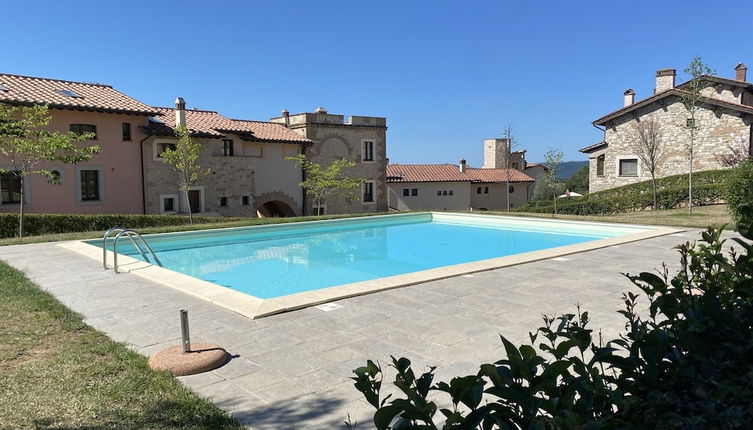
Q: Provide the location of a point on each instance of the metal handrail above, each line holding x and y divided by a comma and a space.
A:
104, 243
131, 234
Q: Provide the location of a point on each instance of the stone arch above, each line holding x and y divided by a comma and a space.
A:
276, 203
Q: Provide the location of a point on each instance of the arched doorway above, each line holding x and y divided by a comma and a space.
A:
275, 208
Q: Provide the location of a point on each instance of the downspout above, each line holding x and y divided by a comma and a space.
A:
143, 173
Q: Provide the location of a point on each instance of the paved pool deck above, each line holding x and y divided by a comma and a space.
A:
291, 370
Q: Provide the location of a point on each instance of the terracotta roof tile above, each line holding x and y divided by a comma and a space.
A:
450, 173
203, 123
28, 90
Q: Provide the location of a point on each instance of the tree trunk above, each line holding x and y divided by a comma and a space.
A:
653, 184
188, 204
21, 211
555, 200
690, 177
507, 189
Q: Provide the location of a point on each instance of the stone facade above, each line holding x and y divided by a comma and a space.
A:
720, 126
237, 185
335, 137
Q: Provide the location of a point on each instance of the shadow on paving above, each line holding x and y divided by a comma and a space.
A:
316, 412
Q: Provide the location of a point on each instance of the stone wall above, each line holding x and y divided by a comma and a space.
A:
718, 130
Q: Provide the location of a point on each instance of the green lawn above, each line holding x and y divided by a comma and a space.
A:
57, 372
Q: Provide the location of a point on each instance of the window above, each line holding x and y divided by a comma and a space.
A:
320, 210
168, 205
629, 167
126, 131
244, 200
223, 201
253, 150
160, 147
79, 129
486, 190
56, 177
414, 192
511, 189
406, 192
444, 193
482, 190
600, 165
69, 93
515, 166
450, 192
439, 193
227, 147
368, 150
89, 185
368, 192
10, 188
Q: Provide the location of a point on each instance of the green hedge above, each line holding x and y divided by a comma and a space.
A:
672, 191
738, 192
37, 224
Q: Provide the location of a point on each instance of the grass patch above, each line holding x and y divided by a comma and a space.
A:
57, 372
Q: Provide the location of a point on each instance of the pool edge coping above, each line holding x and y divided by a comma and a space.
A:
254, 307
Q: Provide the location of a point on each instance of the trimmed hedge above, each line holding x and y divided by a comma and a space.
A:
37, 224
672, 191
738, 192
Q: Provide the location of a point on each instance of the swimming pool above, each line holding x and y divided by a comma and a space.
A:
277, 262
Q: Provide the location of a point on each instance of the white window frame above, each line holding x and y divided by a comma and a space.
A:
157, 148
373, 192
364, 152
637, 166
176, 203
100, 184
314, 208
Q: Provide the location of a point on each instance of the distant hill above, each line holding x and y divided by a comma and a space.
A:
567, 168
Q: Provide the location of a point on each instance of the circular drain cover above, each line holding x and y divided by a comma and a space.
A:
203, 357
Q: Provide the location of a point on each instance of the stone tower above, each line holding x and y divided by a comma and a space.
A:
495, 151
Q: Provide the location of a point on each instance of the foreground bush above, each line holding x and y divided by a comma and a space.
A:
36, 224
686, 365
672, 191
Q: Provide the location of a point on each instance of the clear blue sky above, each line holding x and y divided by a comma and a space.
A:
445, 74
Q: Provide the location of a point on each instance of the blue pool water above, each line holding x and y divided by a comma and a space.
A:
274, 261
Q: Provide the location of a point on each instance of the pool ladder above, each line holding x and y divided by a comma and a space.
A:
135, 239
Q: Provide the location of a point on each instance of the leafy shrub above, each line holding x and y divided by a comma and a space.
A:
36, 224
672, 191
737, 189
686, 365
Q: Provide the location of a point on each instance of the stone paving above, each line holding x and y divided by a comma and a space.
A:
291, 370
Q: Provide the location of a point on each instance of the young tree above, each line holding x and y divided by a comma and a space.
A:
692, 99
321, 183
508, 134
28, 146
184, 160
646, 144
553, 160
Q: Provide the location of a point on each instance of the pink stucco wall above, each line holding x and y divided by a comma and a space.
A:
119, 160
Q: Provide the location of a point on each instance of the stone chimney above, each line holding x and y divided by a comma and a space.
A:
629, 96
180, 112
740, 72
286, 117
665, 80
462, 165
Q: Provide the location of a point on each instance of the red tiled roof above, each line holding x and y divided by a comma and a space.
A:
28, 90
450, 173
497, 175
203, 123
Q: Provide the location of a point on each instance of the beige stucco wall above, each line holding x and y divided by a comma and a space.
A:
336, 137
119, 164
427, 197
262, 179
497, 197
718, 130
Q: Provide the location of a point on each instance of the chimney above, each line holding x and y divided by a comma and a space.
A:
629, 96
740, 72
286, 116
665, 80
180, 112
462, 165
321, 110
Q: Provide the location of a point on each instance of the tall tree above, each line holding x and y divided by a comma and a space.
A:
553, 160
184, 160
322, 183
692, 99
27, 145
578, 181
646, 144
509, 134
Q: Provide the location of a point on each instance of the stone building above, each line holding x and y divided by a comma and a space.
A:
723, 120
248, 174
496, 154
361, 139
